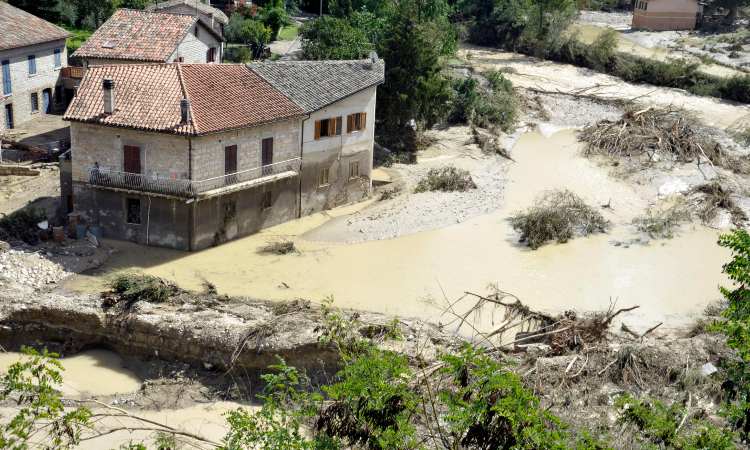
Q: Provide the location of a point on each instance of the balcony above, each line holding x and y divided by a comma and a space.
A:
73, 72
185, 188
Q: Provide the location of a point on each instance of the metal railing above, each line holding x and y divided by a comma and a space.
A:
184, 187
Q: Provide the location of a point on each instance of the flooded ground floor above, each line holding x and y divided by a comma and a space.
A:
414, 274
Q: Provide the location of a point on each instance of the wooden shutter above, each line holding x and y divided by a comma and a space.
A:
338, 125
363, 123
317, 130
267, 151
132, 159
230, 159
331, 127
350, 123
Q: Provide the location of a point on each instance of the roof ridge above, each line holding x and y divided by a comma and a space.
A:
187, 97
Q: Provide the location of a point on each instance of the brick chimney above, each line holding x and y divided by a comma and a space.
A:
108, 90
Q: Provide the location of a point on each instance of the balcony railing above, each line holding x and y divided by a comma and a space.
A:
184, 187
73, 72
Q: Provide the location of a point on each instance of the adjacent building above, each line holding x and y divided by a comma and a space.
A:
191, 155
662, 15
132, 36
32, 54
210, 16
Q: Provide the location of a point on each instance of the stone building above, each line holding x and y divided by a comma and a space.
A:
662, 15
212, 17
32, 54
140, 36
191, 155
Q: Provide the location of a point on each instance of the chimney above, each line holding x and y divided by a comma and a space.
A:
108, 89
371, 60
184, 111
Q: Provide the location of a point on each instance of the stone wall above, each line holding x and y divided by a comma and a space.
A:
208, 151
193, 49
47, 77
162, 154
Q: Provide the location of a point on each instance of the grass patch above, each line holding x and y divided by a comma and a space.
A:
21, 225
135, 287
446, 179
289, 32
283, 247
77, 38
557, 215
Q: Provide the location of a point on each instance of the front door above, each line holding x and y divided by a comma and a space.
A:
9, 116
230, 164
47, 100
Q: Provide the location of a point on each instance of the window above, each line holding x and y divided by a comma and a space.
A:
267, 200
354, 169
180, 59
230, 164
356, 122
328, 127
34, 102
323, 177
266, 155
133, 210
9, 116
197, 32
32, 64
58, 57
211, 55
7, 86
58, 94
131, 159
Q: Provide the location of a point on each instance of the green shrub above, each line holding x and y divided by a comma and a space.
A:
238, 54
275, 19
333, 38
133, 287
446, 179
486, 108
22, 225
557, 215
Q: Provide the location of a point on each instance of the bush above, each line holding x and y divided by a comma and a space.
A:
132, 288
446, 179
249, 32
240, 54
22, 225
557, 215
485, 108
274, 18
660, 223
333, 38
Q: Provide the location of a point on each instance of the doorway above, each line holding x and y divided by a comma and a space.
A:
9, 116
47, 101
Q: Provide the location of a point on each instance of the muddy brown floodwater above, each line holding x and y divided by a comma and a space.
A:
97, 373
672, 280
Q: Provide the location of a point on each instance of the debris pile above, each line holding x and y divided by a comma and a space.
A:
29, 269
653, 132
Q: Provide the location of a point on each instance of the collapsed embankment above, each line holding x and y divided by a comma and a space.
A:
204, 330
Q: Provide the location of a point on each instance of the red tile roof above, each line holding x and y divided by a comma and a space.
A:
147, 97
138, 36
19, 28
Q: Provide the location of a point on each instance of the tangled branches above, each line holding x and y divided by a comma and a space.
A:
652, 132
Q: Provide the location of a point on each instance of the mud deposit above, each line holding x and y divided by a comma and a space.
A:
672, 280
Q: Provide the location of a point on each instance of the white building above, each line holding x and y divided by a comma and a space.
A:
32, 54
211, 16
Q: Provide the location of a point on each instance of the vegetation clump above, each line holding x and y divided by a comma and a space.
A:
557, 215
131, 288
715, 198
491, 107
660, 222
22, 225
446, 179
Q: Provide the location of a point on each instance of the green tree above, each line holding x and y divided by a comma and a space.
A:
131, 4
32, 385
274, 18
333, 38
46, 9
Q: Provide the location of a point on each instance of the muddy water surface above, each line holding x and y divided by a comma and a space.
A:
672, 280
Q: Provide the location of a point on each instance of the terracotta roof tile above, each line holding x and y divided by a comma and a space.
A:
19, 28
202, 7
147, 97
137, 36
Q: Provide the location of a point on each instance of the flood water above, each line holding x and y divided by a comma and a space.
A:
672, 280
97, 373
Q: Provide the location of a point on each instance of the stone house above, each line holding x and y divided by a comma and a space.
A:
210, 16
32, 54
140, 36
191, 155
662, 15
